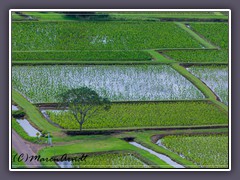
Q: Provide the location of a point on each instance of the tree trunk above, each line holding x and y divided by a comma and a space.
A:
80, 126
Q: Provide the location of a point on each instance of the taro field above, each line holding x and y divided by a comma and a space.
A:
118, 83
111, 84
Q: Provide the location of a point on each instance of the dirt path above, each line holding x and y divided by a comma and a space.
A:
26, 148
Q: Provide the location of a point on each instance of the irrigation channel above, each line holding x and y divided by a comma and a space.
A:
65, 164
159, 143
160, 156
28, 128
14, 108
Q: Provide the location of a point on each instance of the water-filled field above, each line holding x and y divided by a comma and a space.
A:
215, 77
118, 83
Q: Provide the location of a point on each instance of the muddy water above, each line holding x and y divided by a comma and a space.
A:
160, 156
28, 128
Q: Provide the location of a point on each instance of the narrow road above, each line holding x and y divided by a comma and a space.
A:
25, 148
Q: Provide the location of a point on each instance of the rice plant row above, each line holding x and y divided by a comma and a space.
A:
207, 151
118, 83
113, 35
110, 160
133, 115
82, 56
215, 77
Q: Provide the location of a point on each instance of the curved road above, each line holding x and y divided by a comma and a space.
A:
26, 148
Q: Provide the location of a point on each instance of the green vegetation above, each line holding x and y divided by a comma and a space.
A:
16, 127
43, 16
134, 58
32, 36
117, 83
87, 144
145, 138
162, 114
202, 41
200, 56
81, 56
83, 103
215, 77
201, 86
216, 33
111, 160
18, 114
32, 112
17, 17
157, 57
121, 16
207, 151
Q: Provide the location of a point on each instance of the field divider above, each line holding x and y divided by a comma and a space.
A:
197, 82
35, 63
200, 85
159, 57
195, 35
33, 113
45, 106
112, 63
116, 50
108, 131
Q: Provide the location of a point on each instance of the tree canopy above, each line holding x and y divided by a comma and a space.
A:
83, 103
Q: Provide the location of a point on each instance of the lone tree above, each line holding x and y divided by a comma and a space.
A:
83, 103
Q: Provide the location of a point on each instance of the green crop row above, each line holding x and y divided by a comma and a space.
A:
113, 35
198, 55
216, 33
207, 151
160, 114
82, 56
110, 160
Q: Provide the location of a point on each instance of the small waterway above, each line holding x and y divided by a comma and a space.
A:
14, 108
159, 143
65, 164
160, 156
28, 128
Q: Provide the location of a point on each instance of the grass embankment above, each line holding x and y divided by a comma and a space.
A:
200, 85
158, 57
196, 36
99, 144
103, 144
33, 114
145, 139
